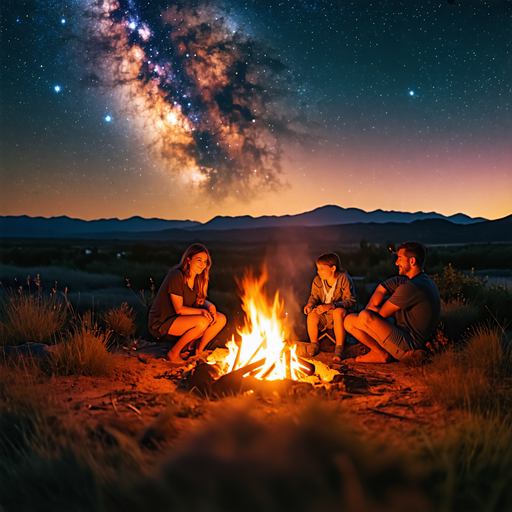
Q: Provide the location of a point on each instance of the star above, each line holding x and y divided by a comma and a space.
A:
57, 88
411, 93
108, 119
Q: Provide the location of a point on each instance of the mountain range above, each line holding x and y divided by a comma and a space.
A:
138, 227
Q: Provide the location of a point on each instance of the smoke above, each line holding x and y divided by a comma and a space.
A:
291, 269
209, 101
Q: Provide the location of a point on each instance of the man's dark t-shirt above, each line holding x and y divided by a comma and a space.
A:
162, 313
419, 303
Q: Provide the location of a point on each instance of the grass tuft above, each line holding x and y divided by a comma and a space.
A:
31, 317
84, 351
121, 320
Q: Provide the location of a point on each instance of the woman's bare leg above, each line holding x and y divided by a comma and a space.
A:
190, 328
212, 331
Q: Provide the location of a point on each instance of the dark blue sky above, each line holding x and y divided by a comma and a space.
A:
245, 107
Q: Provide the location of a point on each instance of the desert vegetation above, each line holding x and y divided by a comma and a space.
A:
299, 450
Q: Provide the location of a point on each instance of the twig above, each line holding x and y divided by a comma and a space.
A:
113, 402
391, 415
134, 409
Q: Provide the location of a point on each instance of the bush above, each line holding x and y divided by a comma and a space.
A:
457, 316
453, 284
121, 320
31, 317
475, 376
84, 351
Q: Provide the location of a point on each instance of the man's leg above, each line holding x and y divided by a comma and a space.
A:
371, 330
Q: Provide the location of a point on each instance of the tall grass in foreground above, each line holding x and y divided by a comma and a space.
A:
472, 464
31, 317
476, 376
83, 351
47, 465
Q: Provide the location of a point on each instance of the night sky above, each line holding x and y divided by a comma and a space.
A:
191, 110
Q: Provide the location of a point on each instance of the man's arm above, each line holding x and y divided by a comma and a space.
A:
377, 299
387, 309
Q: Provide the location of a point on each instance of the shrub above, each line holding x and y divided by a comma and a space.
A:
457, 315
84, 351
473, 377
121, 320
31, 317
453, 284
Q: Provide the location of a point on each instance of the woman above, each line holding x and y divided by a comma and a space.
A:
332, 296
180, 307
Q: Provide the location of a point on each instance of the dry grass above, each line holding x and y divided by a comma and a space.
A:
121, 320
475, 376
472, 464
457, 316
85, 351
31, 317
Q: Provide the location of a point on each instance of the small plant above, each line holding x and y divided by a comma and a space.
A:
439, 342
31, 317
121, 320
146, 301
84, 351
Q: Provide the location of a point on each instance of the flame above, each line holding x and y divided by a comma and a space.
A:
263, 335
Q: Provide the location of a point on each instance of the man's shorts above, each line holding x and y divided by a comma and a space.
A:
398, 343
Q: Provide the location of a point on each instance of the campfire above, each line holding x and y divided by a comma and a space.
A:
263, 354
262, 349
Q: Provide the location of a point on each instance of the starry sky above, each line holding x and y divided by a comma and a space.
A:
116, 108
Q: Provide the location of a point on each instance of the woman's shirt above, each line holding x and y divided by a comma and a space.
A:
162, 313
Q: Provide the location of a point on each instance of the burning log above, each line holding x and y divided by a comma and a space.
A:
306, 367
203, 377
231, 383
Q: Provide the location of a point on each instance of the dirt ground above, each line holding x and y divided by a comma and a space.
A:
388, 401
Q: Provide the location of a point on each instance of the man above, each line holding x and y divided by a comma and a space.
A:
412, 300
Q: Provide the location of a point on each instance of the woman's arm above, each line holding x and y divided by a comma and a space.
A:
211, 308
177, 302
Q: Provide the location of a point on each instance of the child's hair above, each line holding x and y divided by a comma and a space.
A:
330, 259
201, 279
416, 250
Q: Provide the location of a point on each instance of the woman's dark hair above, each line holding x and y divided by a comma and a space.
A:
201, 279
330, 259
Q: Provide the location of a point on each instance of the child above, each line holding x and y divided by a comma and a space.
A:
332, 297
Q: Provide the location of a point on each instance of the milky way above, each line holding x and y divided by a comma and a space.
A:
254, 107
207, 99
